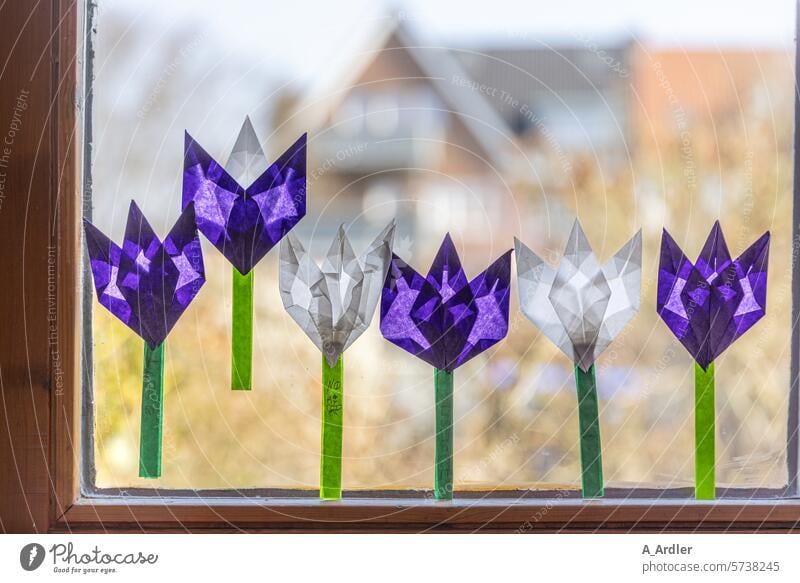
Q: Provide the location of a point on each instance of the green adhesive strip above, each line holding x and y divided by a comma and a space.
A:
330, 474
588, 419
704, 430
242, 332
152, 412
443, 480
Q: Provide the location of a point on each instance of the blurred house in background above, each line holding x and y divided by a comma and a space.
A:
478, 140
394, 132
572, 97
430, 134
680, 88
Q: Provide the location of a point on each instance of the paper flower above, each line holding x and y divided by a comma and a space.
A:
245, 222
148, 284
441, 318
708, 305
334, 305
712, 302
445, 321
581, 307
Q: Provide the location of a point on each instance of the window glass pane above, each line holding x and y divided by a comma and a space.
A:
485, 124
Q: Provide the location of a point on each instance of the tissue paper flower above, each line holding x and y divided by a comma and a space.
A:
148, 284
441, 318
708, 305
712, 302
334, 305
445, 321
245, 222
581, 307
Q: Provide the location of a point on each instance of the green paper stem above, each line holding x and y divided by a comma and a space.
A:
152, 412
242, 332
588, 419
704, 432
330, 474
443, 480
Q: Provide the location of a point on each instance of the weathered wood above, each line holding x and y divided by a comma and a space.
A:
65, 379
28, 150
39, 215
401, 515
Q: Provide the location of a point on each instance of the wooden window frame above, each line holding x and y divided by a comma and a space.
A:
41, 358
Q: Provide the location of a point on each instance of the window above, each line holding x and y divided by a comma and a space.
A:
701, 133
515, 405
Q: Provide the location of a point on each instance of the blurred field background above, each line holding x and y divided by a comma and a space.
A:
670, 134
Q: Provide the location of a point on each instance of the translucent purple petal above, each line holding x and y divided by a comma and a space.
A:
442, 319
104, 257
710, 304
411, 313
446, 274
245, 223
715, 257
145, 283
742, 296
490, 293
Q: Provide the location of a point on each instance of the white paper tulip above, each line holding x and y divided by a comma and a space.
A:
582, 306
334, 303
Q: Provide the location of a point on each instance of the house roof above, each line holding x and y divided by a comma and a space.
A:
573, 76
438, 64
550, 67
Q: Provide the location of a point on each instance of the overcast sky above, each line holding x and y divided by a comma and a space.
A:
301, 36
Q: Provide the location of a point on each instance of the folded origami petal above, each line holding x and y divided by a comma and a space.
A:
582, 306
146, 283
334, 304
442, 318
244, 223
712, 302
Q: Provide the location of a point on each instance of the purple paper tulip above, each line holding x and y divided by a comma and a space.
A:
245, 222
146, 283
442, 318
712, 302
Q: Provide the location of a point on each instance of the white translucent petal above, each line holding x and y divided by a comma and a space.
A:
247, 160
581, 306
534, 283
334, 304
